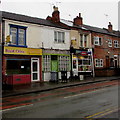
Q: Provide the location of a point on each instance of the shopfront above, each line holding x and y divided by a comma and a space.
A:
21, 65
82, 62
56, 65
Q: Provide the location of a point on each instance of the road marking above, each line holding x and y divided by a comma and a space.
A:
102, 112
107, 113
86, 92
15, 108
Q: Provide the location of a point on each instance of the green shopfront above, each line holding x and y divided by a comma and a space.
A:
55, 65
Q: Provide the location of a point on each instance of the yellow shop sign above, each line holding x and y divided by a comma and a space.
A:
22, 51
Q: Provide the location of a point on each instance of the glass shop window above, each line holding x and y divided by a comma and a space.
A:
18, 66
74, 64
64, 63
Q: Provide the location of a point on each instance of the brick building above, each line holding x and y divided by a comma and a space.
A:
105, 44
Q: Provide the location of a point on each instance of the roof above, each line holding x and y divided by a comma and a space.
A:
92, 28
29, 19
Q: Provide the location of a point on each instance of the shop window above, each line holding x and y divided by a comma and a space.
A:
98, 62
74, 64
47, 62
64, 63
59, 37
18, 66
18, 35
84, 64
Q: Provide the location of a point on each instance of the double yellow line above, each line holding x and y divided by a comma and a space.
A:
102, 113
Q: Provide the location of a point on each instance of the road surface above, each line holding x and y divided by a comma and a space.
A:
98, 100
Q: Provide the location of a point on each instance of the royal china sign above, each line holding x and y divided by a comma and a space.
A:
22, 51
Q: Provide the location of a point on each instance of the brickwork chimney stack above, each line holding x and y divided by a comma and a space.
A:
110, 28
78, 20
56, 14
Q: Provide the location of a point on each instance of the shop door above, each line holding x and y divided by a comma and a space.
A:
54, 66
35, 69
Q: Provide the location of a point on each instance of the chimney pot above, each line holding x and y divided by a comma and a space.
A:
110, 27
79, 14
55, 14
55, 8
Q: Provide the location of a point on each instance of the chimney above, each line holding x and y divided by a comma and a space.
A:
78, 20
110, 27
55, 14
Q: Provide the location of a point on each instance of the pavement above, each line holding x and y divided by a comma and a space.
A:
47, 86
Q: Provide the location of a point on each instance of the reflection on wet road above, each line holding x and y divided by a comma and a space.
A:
79, 101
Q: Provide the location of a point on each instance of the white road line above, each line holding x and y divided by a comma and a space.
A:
15, 108
84, 93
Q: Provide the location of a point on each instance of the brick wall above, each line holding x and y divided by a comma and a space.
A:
102, 51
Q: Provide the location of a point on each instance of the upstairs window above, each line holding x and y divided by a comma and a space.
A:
59, 37
116, 43
83, 40
18, 35
97, 41
109, 43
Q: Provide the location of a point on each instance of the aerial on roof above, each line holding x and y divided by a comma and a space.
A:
29, 19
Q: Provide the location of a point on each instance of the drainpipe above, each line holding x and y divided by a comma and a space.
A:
93, 63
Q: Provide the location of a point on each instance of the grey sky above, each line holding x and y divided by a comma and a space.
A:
94, 13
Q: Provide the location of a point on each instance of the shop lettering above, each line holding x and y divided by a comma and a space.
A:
14, 51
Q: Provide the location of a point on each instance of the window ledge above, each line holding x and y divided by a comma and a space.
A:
18, 46
58, 43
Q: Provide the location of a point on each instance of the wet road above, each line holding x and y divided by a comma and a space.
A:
74, 102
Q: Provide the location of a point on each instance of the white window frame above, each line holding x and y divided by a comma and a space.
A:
59, 37
116, 44
47, 63
98, 62
83, 39
64, 63
97, 40
109, 43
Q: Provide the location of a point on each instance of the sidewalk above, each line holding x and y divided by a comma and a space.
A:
46, 86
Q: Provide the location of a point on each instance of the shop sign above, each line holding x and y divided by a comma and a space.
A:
83, 53
22, 51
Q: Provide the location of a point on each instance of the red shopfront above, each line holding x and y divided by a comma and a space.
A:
21, 65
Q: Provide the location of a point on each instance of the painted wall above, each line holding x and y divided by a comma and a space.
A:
38, 36
75, 34
48, 38
33, 33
